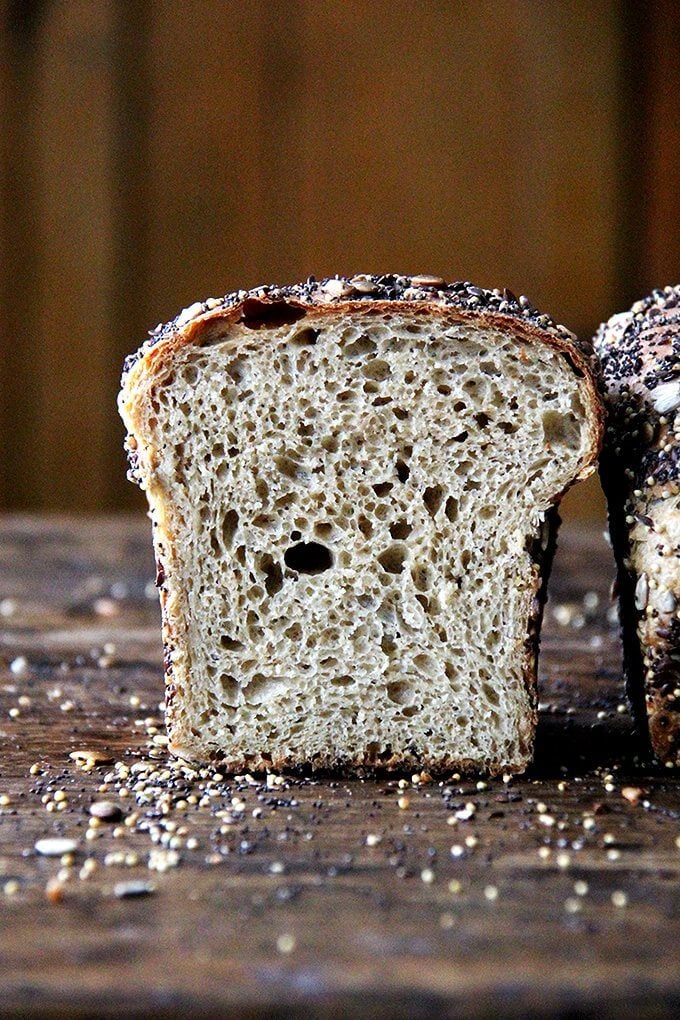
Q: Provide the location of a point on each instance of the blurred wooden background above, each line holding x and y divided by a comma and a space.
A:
157, 151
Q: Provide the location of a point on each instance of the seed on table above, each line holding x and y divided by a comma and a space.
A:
130, 890
55, 846
88, 755
106, 811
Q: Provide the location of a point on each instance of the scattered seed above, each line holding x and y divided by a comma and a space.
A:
133, 889
286, 944
55, 846
90, 755
105, 811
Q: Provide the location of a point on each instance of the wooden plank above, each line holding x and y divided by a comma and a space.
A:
567, 903
661, 244
19, 254
72, 371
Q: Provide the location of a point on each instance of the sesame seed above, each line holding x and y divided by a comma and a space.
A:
286, 944
55, 846
619, 898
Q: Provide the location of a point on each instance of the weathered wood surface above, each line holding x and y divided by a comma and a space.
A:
292, 911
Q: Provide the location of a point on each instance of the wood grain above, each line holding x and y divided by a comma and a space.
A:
157, 153
371, 938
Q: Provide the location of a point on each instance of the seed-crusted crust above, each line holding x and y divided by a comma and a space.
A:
270, 306
639, 367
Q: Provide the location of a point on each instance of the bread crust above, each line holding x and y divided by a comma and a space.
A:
265, 307
638, 363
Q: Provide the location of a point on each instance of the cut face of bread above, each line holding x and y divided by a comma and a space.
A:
639, 357
349, 503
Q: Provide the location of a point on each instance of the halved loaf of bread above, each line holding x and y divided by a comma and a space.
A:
639, 355
352, 486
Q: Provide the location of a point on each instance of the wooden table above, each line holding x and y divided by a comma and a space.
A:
560, 896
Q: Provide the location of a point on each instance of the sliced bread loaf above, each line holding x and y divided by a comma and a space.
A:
639, 356
352, 486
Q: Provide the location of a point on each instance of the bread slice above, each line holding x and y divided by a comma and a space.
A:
351, 485
639, 354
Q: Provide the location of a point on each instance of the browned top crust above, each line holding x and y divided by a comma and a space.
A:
639, 361
262, 305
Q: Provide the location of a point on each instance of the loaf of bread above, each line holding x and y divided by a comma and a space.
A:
352, 485
639, 357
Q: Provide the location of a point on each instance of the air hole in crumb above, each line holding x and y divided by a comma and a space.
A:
403, 470
376, 369
287, 466
387, 644
400, 529
265, 688
382, 488
360, 347
400, 413
330, 443
444, 389
432, 498
420, 575
261, 488
273, 575
342, 681
308, 558
491, 694
229, 526
230, 644
323, 529
230, 689
410, 710
451, 508
365, 526
258, 314
570, 361
409, 377
561, 430
392, 559
400, 692
305, 337
459, 406
508, 427
482, 419
263, 521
